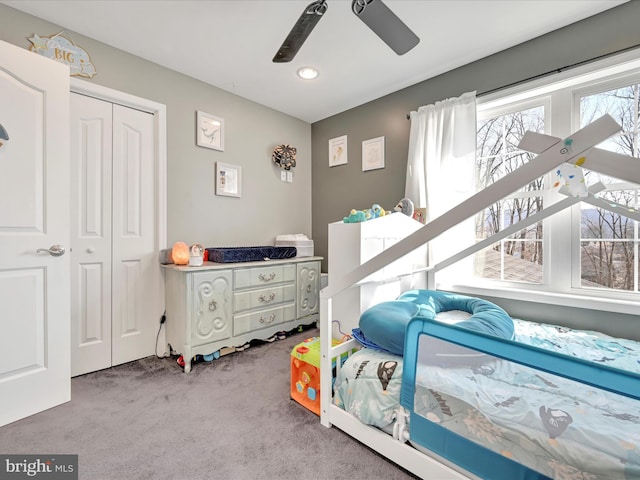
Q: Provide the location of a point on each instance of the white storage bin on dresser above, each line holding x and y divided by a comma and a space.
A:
219, 305
351, 245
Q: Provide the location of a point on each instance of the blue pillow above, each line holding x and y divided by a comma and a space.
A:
385, 324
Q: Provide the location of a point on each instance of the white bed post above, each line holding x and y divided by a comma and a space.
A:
326, 380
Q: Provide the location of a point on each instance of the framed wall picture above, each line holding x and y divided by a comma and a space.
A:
373, 154
338, 151
209, 131
228, 180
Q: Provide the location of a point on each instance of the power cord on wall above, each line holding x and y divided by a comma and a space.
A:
163, 319
345, 336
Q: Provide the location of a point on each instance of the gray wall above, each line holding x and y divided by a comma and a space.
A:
337, 190
195, 213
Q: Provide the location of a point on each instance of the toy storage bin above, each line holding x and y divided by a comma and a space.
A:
305, 374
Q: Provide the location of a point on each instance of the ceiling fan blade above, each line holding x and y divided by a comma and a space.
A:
379, 18
300, 31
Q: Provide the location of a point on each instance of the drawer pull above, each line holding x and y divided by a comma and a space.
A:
267, 278
268, 299
309, 288
268, 320
213, 305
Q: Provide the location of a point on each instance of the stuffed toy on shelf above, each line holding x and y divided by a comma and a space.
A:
355, 216
404, 206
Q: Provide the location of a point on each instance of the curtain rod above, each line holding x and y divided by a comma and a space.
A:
552, 72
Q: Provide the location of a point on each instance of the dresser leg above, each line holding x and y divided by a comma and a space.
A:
187, 359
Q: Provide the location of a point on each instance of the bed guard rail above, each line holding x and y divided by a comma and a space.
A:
530, 394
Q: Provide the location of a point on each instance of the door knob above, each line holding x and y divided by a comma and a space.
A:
54, 250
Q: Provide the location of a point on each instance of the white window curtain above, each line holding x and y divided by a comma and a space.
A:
441, 167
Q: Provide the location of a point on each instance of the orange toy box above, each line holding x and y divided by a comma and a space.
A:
305, 373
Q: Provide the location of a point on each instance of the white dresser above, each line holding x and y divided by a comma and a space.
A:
222, 305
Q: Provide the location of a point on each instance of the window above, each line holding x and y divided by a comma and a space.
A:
608, 240
585, 249
518, 257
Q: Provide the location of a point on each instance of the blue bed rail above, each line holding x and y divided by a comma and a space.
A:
471, 455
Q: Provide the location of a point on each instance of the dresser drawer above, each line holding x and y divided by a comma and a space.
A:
263, 297
249, 322
253, 277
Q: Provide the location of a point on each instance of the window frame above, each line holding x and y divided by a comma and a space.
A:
605, 84
559, 95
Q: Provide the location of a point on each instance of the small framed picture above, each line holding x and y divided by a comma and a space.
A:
338, 151
209, 131
373, 154
228, 180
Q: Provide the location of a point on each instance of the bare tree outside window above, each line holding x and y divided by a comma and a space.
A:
583, 250
609, 241
519, 257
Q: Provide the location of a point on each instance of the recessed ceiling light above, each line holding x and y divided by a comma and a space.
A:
308, 73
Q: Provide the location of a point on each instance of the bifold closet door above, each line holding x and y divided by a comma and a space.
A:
135, 265
91, 159
115, 273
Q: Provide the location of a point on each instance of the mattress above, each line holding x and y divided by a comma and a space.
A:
552, 425
250, 254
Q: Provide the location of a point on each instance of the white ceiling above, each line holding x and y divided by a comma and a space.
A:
231, 43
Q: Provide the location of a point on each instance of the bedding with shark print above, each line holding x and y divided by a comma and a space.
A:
368, 386
555, 426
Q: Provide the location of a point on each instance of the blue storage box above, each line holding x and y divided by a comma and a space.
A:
249, 254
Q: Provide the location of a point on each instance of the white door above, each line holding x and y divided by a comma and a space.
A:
115, 269
34, 214
136, 269
91, 133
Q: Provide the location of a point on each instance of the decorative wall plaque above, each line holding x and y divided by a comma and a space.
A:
63, 50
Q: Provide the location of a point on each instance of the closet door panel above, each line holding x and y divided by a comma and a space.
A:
135, 262
91, 157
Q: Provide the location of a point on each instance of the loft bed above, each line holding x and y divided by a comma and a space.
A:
422, 385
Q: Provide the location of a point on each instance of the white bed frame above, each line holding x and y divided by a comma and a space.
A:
577, 149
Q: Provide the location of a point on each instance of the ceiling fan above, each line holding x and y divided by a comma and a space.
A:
374, 13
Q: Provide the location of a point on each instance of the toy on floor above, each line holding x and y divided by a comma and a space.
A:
305, 373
